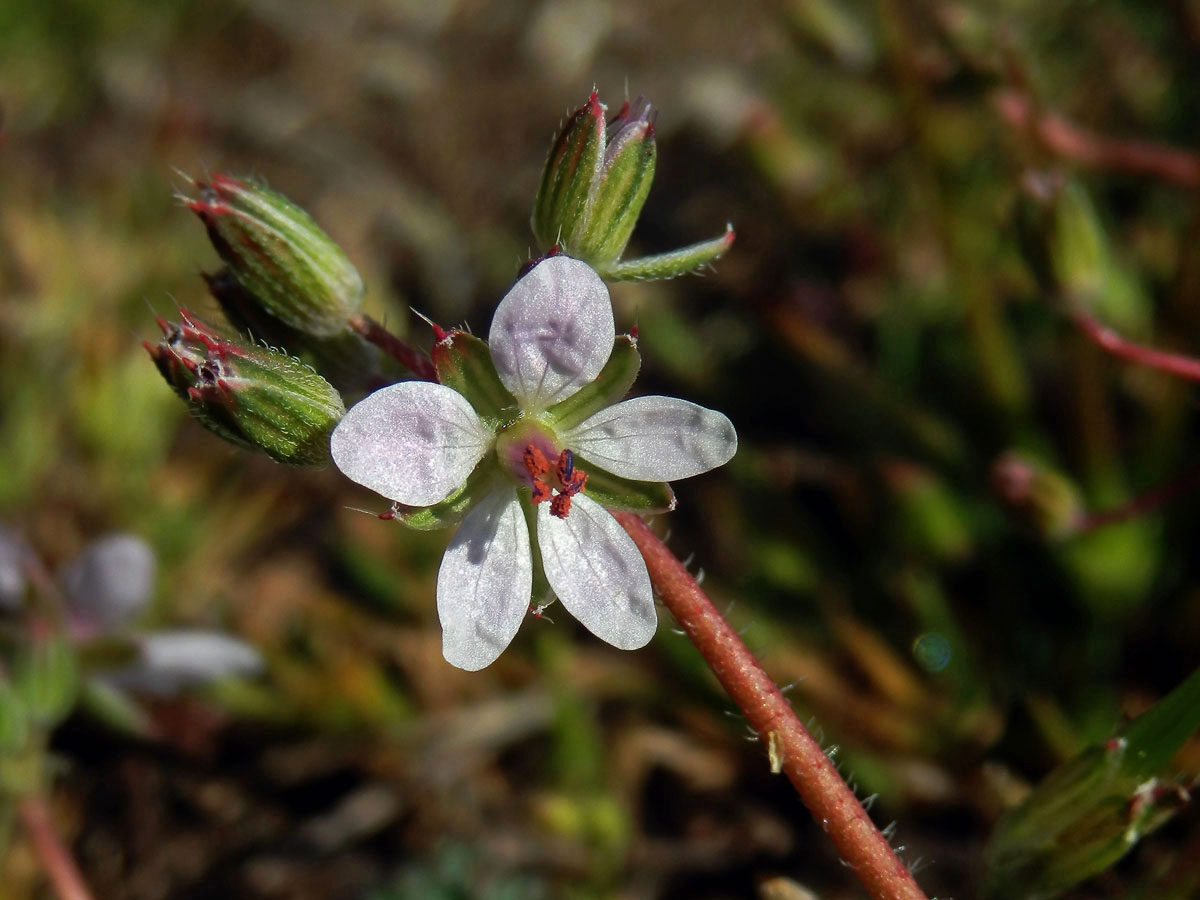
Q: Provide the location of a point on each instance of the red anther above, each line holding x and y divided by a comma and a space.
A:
560, 505
535, 461
541, 491
576, 484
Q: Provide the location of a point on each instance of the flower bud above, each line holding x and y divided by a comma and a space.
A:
280, 255
1041, 497
595, 182
249, 394
593, 188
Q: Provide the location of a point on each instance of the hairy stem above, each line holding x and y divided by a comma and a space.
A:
401, 351
815, 778
56, 860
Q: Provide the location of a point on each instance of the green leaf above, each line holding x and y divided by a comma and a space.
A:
672, 264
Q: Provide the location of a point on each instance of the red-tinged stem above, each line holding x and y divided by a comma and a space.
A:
401, 351
1077, 144
815, 778
1174, 363
1148, 502
57, 862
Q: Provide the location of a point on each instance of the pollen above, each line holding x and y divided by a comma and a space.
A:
535, 462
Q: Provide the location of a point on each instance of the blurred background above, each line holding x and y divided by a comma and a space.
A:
922, 191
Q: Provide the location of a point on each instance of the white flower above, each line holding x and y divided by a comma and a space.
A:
417, 443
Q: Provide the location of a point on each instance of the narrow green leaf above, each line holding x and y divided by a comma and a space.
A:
671, 264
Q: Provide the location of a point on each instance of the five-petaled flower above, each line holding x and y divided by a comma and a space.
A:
529, 437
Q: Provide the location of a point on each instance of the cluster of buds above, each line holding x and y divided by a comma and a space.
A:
249, 394
593, 188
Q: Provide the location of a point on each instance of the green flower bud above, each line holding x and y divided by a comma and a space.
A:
346, 359
280, 255
593, 188
1039, 496
252, 395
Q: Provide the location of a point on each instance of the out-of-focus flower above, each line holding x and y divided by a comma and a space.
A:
109, 583
530, 436
280, 255
168, 662
593, 188
249, 394
13, 551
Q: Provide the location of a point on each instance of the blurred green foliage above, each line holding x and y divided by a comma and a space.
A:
891, 321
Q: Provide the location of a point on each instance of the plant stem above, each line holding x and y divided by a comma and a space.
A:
401, 351
814, 776
1173, 363
56, 860
1076, 144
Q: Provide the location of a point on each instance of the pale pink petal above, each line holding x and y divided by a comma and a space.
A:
597, 572
484, 583
413, 442
552, 333
654, 439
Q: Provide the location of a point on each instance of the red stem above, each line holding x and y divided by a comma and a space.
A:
1077, 144
1174, 363
815, 778
401, 351
56, 860
1142, 504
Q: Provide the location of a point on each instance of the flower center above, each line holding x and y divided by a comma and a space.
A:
567, 478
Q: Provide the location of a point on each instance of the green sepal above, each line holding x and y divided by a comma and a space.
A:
619, 197
610, 386
672, 264
14, 720
612, 490
451, 511
47, 679
464, 362
571, 169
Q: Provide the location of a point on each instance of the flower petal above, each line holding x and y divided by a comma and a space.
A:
655, 439
597, 572
552, 333
412, 442
485, 581
110, 582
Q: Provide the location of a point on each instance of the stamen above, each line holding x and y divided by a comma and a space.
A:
541, 491
535, 462
571, 481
